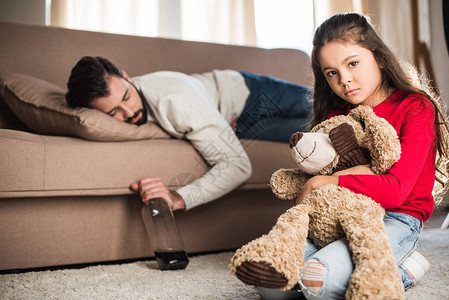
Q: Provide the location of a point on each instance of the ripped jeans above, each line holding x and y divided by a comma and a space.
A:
403, 232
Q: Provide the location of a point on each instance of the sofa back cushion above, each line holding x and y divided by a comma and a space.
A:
50, 53
41, 106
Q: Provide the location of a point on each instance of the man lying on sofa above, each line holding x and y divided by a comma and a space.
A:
212, 110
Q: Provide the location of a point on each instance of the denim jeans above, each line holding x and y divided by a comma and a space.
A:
403, 232
274, 110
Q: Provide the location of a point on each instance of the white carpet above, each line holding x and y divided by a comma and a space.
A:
206, 277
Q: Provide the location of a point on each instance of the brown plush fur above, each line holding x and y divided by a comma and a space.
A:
376, 134
331, 212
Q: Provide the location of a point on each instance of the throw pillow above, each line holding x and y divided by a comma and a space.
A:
41, 106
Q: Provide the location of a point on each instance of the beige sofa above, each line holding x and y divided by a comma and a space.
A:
65, 200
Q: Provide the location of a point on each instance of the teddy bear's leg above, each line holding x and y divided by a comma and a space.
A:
324, 203
281, 251
260, 274
376, 275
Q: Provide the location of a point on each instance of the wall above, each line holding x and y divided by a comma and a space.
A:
25, 11
38, 12
438, 50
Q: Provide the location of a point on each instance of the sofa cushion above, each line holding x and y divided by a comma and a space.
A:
41, 106
66, 166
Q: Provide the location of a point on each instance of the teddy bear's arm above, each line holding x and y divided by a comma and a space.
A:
287, 183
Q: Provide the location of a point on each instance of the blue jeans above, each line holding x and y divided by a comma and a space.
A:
274, 110
403, 232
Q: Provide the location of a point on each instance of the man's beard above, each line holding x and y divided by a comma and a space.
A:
139, 122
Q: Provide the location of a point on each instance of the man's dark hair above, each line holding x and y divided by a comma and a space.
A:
88, 80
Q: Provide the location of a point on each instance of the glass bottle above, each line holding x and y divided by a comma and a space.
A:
164, 235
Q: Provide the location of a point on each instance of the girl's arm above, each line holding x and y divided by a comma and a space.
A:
357, 170
414, 173
322, 180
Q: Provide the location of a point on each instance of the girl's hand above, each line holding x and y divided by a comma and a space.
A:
314, 183
322, 180
153, 187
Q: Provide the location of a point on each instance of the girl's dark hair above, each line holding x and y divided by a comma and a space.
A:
357, 29
88, 80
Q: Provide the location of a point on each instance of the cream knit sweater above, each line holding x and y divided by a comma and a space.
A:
199, 108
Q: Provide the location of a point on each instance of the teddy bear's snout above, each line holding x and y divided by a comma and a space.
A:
313, 151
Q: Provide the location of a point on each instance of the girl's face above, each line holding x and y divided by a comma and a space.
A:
352, 73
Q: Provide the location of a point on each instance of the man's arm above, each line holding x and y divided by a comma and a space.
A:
230, 167
182, 107
227, 163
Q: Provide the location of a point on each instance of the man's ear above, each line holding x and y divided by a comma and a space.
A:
125, 76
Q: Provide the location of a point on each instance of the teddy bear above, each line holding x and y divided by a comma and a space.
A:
331, 212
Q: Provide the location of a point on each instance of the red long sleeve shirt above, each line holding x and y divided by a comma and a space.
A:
407, 186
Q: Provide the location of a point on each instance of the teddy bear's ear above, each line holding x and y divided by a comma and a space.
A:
287, 183
345, 142
381, 139
362, 114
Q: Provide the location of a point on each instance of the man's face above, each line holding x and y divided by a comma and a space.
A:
123, 102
